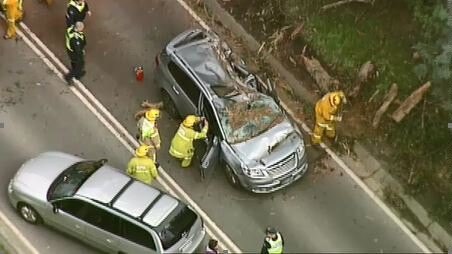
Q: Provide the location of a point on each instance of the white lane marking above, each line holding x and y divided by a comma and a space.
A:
334, 156
211, 226
16, 231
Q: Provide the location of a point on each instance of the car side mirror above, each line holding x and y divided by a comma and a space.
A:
55, 209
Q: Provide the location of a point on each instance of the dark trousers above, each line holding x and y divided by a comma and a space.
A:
77, 66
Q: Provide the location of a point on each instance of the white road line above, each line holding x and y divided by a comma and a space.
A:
334, 156
167, 182
16, 231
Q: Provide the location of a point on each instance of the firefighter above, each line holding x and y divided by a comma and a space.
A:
182, 143
75, 47
327, 113
273, 242
141, 167
14, 13
76, 11
149, 133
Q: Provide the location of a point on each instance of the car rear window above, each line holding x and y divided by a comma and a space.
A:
178, 223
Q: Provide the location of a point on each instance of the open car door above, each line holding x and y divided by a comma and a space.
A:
210, 159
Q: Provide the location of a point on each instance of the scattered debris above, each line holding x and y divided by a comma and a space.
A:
146, 105
410, 102
387, 100
373, 96
339, 3
298, 30
319, 74
367, 72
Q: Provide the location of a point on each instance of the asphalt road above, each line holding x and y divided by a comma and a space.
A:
323, 212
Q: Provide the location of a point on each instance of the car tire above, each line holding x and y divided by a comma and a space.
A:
231, 176
169, 105
29, 214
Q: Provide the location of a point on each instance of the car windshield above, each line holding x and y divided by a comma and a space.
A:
68, 182
173, 228
247, 116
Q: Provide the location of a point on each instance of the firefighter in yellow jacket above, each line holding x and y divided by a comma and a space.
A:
182, 143
141, 167
327, 114
149, 133
14, 13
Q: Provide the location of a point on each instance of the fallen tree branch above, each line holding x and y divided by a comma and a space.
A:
410, 102
389, 97
339, 3
323, 80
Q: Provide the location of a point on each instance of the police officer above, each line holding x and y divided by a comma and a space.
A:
273, 243
75, 47
76, 11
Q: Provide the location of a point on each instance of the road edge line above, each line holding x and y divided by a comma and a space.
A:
226, 241
334, 156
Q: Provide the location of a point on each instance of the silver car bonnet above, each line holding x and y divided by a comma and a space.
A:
269, 147
37, 174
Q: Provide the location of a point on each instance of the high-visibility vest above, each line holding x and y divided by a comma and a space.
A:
77, 6
276, 246
143, 169
70, 34
182, 143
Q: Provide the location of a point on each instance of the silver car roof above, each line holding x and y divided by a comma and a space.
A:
115, 189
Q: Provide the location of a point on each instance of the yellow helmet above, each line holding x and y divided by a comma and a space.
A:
152, 114
337, 98
142, 151
189, 121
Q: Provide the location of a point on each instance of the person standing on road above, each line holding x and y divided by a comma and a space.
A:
327, 113
75, 47
273, 242
141, 167
149, 133
182, 143
14, 13
212, 247
76, 12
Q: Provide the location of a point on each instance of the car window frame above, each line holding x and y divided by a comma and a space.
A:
137, 225
183, 85
217, 130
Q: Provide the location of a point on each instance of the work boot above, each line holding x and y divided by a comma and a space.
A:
69, 79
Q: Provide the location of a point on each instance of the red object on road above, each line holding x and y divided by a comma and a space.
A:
139, 73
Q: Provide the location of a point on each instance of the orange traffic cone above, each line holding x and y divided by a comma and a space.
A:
139, 73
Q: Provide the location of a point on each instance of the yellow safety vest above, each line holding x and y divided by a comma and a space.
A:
71, 33
142, 169
182, 143
276, 247
79, 7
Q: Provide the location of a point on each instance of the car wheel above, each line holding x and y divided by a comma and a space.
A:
29, 214
231, 176
169, 106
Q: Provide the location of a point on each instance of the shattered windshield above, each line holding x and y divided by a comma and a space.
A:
248, 116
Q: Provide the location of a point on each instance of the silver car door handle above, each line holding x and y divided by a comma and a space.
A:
108, 240
175, 90
77, 226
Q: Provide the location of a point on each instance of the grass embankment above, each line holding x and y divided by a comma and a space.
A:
343, 38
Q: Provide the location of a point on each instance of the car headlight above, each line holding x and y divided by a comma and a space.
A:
252, 172
10, 187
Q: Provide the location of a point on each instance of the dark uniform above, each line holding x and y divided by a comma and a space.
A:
75, 46
76, 12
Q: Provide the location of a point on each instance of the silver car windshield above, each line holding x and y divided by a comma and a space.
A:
178, 223
247, 116
68, 182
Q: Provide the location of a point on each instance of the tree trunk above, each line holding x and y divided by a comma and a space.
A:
410, 102
389, 97
365, 74
322, 78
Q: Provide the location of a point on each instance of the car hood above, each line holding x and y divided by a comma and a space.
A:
269, 147
36, 175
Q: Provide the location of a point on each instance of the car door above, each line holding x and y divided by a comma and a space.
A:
66, 217
135, 239
209, 161
184, 91
101, 227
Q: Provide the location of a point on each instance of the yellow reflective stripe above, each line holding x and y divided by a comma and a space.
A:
323, 125
329, 128
172, 150
78, 7
4, 2
181, 134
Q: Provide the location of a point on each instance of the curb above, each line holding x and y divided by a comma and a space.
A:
365, 166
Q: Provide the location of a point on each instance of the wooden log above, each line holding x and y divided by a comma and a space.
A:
387, 100
339, 3
410, 102
365, 74
318, 73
